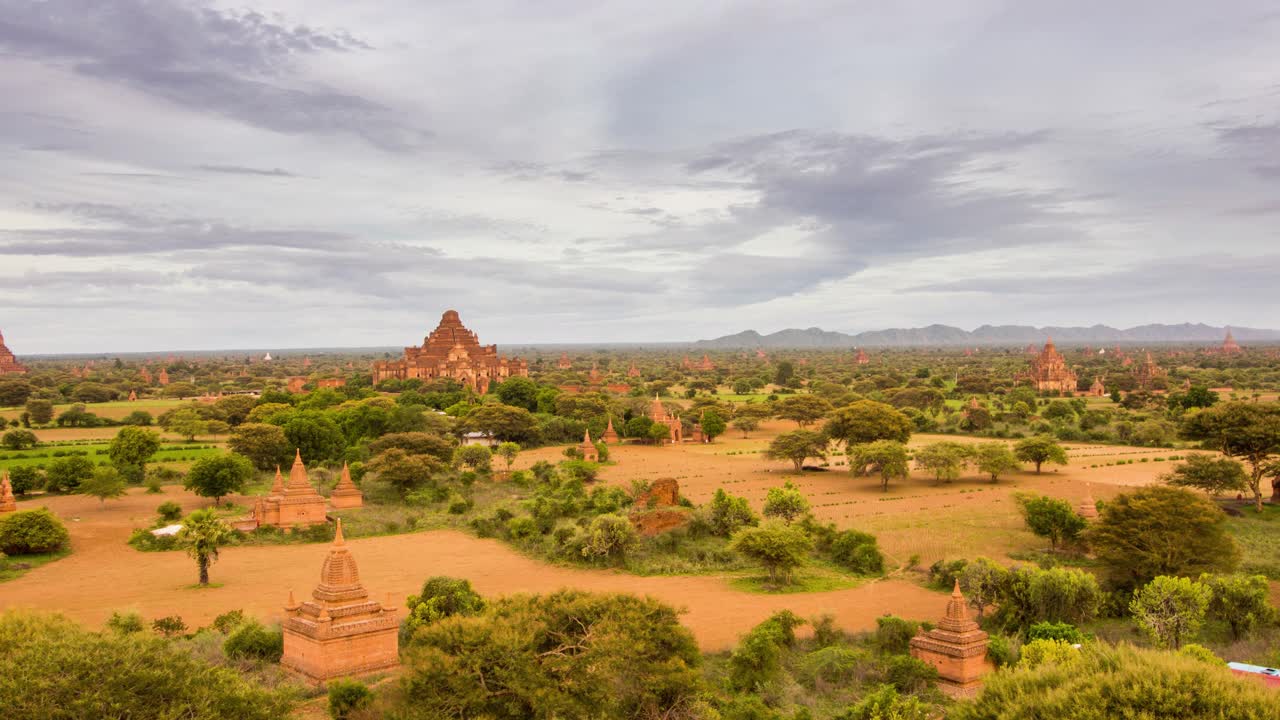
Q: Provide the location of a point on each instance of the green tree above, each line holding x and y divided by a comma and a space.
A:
24, 478
82, 674
995, 459
1241, 601
1040, 450
416, 443
202, 534
1050, 518
983, 583
1210, 474
713, 426
185, 422
803, 409
442, 597
609, 537
867, 421
404, 472
728, 513
14, 393
40, 411
945, 460
317, 436
130, 450
66, 474
508, 451
1031, 595
747, 418
1248, 431
786, 502
1170, 609
263, 444
504, 422
475, 457
31, 532
218, 476
347, 697
779, 547
519, 392
885, 703
797, 446
1160, 530
105, 484
18, 439
888, 457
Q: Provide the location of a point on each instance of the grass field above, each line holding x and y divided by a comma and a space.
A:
1256, 535
111, 410
97, 453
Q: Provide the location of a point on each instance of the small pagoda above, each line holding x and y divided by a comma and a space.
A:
345, 494
8, 503
339, 632
1088, 507
588, 448
295, 503
610, 436
658, 414
956, 647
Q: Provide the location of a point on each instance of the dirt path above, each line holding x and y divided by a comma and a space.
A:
103, 575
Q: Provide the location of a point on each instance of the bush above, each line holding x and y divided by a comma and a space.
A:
346, 696
609, 537
727, 514
885, 703
228, 621
32, 531
1063, 632
253, 641
125, 624
169, 511
169, 626
893, 634
1002, 651
858, 552
943, 573
906, 673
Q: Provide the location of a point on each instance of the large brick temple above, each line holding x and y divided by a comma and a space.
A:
1049, 371
454, 352
9, 364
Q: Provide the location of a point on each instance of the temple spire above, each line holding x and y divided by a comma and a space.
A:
337, 535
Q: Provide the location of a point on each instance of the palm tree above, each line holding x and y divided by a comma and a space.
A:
202, 532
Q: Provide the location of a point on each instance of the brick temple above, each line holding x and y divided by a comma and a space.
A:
452, 351
1230, 346
1049, 371
8, 503
9, 364
956, 647
345, 494
659, 415
339, 632
287, 505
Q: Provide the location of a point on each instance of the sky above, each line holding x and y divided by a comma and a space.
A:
317, 173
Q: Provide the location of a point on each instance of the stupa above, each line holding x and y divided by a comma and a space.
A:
610, 436
564, 363
1147, 373
658, 414
588, 448
454, 352
295, 503
9, 364
862, 358
345, 494
633, 371
1088, 507
956, 647
1229, 345
339, 632
1097, 389
7, 502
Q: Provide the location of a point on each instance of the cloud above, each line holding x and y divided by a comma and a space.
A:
239, 170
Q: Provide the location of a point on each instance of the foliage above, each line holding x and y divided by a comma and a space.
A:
1171, 609
1040, 450
508, 451
757, 660
779, 547
169, 510
105, 484
348, 695
404, 472
217, 476
570, 654
945, 460
202, 534
886, 703
995, 459
729, 513
797, 446
19, 439
857, 551
442, 597
1032, 595
804, 410
1042, 651
29, 532
125, 624
504, 422
250, 640
228, 621
81, 674
66, 474
1060, 631
983, 583
130, 450
1201, 653
1160, 531
1241, 601
1241, 430
889, 457
474, 457
265, 445
893, 634
713, 426
1050, 518
867, 421
608, 537
185, 422
1210, 474
786, 502
169, 626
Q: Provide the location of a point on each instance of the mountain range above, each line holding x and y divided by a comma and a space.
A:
941, 335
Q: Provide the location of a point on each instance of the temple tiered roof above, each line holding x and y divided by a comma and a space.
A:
9, 364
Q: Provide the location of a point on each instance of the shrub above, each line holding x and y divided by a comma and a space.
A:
169, 511
944, 573
442, 597
1039, 652
757, 660
1002, 651
609, 537
228, 621
1064, 632
253, 641
858, 552
885, 703
906, 673
893, 634
169, 626
1201, 653
727, 514
346, 696
32, 531
125, 624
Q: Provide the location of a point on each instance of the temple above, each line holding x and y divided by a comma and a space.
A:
659, 415
1088, 507
862, 358
9, 364
8, 503
339, 632
564, 363
633, 371
956, 647
297, 503
610, 436
1229, 345
1049, 371
1147, 373
454, 352
345, 494
1097, 389
588, 448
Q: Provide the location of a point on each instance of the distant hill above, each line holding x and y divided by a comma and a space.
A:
940, 335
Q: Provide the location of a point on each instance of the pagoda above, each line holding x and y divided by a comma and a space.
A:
452, 351
862, 358
564, 363
1088, 508
1049, 371
1229, 345
1097, 389
339, 632
659, 415
1147, 373
345, 494
956, 647
610, 436
706, 363
9, 364
295, 503
164, 376
7, 502
633, 371
588, 448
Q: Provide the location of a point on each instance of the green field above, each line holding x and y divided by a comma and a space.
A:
97, 453
114, 410
1255, 533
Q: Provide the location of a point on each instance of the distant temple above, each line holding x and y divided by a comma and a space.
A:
1088, 508
862, 358
9, 364
1229, 345
345, 494
610, 436
1147, 373
588, 448
658, 414
1097, 389
8, 503
564, 363
633, 371
454, 352
339, 632
1049, 371
287, 505
956, 647
706, 363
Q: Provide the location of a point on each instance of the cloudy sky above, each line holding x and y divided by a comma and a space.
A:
288, 173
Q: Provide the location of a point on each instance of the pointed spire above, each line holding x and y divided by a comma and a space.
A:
337, 535
291, 605
277, 487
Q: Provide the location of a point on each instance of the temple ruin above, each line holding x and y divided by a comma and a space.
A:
8, 503
9, 364
658, 414
956, 647
1049, 371
345, 494
452, 352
